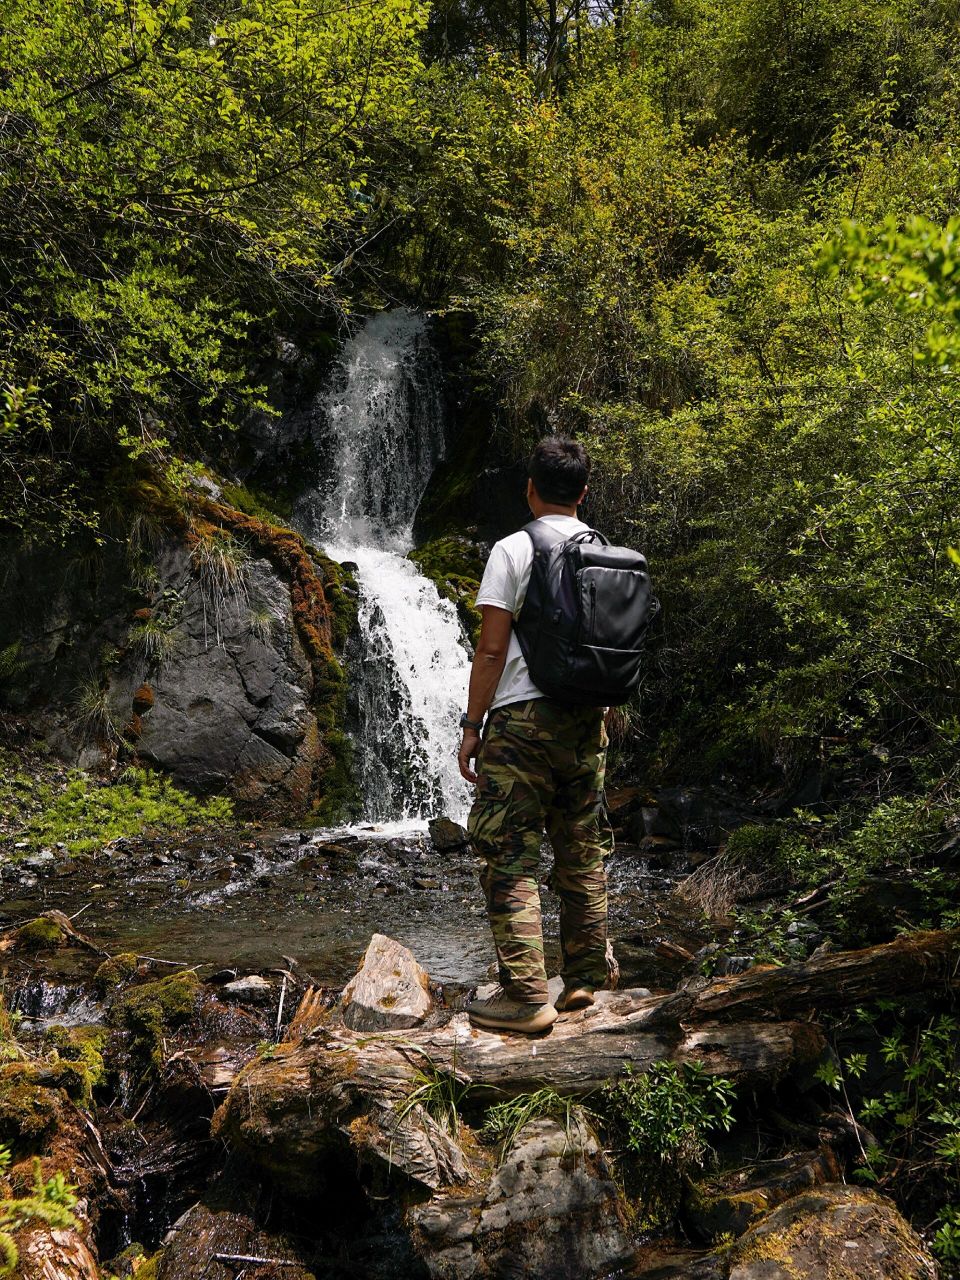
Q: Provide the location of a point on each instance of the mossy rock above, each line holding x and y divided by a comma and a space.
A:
29, 1109
40, 934
115, 972
455, 566
81, 1050
151, 1009
149, 1268
134, 1261
842, 1232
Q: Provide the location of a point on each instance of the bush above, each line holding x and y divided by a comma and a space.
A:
658, 1123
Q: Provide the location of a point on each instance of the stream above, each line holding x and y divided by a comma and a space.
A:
247, 900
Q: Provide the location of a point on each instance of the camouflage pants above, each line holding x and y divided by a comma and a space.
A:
541, 768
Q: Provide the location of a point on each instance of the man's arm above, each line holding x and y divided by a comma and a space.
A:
488, 664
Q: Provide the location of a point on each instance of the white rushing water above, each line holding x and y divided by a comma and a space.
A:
381, 421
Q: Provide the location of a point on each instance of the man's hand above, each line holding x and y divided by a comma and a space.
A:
468, 751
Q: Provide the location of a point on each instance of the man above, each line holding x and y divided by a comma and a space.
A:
539, 767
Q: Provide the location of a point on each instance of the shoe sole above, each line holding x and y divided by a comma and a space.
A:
528, 1026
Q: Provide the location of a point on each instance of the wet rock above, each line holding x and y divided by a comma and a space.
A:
551, 1209
729, 1204
447, 836
199, 1240
390, 990
843, 1232
701, 817
252, 989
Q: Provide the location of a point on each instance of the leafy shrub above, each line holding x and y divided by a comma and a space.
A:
914, 1114
658, 1122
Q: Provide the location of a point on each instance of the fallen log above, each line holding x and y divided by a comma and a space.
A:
340, 1099
302, 1103
305, 1099
825, 983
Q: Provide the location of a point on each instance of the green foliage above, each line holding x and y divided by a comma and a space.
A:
658, 1122
682, 287
504, 1120
171, 175
85, 815
915, 1118
50, 1202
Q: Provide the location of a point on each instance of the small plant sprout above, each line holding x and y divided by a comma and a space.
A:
440, 1093
505, 1120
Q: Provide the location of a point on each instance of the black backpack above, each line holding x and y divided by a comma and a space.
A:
582, 623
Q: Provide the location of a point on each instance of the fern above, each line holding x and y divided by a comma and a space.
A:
49, 1202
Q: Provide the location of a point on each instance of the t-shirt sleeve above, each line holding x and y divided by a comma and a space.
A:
499, 583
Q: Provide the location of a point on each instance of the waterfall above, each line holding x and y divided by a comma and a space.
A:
380, 423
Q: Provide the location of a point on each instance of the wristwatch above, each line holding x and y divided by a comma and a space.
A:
467, 723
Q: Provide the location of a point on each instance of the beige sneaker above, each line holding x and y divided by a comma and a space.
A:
499, 1013
571, 998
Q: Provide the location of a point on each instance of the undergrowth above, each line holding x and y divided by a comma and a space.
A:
49, 1202
848, 857
904, 1089
658, 1123
75, 810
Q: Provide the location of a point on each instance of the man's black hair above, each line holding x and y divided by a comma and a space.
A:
559, 468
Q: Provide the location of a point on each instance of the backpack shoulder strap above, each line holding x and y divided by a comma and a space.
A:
545, 537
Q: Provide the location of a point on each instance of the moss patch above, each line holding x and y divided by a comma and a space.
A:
143, 699
74, 809
29, 1110
115, 972
455, 566
81, 1048
41, 934
151, 1009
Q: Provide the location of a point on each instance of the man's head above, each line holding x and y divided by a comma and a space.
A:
559, 469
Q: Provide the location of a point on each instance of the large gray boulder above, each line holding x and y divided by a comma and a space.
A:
231, 693
551, 1210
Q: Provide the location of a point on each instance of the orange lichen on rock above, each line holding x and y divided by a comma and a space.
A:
143, 699
288, 554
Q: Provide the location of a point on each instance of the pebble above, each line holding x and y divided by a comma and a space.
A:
250, 990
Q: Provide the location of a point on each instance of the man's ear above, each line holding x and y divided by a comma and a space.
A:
531, 490
586, 489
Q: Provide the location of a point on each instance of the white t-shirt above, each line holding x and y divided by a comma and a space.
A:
504, 584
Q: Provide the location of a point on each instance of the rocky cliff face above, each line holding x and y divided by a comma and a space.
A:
228, 704
212, 655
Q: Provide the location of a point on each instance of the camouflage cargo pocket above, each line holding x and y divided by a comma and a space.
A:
490, 813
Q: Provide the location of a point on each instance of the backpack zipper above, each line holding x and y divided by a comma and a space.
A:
593, 610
